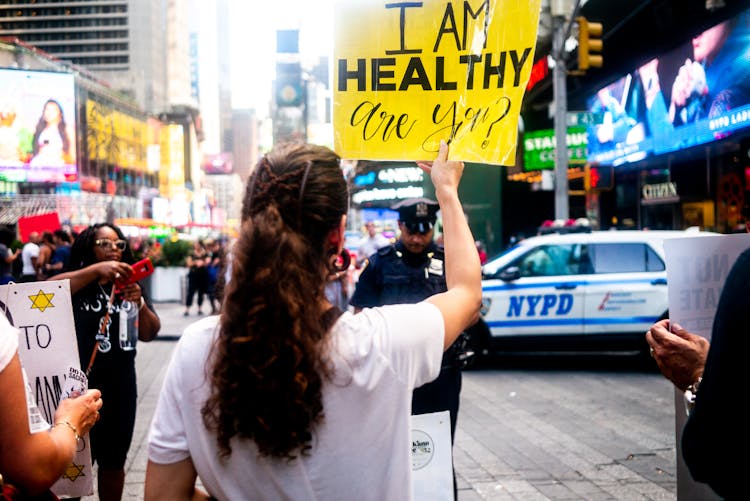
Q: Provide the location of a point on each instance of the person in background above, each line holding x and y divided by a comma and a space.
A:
197, 279
32, 462
29, 256
99, 257
214, 268
289, 381
61, 255
46, 250
482, 252
410, 271
7, 256
715, 432
54, 139
370, 243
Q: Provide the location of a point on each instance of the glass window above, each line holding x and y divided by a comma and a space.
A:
624, 258
549, 260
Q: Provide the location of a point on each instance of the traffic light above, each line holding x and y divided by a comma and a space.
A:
598, 177
590, 44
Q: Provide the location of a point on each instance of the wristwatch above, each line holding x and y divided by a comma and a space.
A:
690, 393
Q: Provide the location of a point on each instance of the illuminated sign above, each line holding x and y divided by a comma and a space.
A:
695, 94
386, 183
539, 148
539, 72
37, 126
116, 137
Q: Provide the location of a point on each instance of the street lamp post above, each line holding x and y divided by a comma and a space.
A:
561, 108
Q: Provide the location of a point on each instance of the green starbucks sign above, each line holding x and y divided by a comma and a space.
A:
539, 148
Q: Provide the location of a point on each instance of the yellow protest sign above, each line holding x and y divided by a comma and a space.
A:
408, 74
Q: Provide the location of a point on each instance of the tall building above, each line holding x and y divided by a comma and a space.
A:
123, 42
178, 55
245, 141
225, 80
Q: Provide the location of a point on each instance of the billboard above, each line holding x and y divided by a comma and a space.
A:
116, 137
695, 94
37, 126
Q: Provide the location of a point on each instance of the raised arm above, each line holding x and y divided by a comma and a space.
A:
460, 303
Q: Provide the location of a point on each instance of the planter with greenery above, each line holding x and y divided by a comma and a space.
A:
170, 273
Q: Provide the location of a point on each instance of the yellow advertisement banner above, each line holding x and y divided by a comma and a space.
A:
408, 74
115, 137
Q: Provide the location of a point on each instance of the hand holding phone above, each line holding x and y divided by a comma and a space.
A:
141, 270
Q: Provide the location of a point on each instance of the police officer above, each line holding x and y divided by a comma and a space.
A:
408, 272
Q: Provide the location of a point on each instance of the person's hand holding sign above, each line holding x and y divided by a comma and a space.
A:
445, 174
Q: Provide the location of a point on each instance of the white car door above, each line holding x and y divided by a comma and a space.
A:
627, 291
537, 293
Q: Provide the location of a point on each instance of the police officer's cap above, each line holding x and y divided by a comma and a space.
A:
417, 214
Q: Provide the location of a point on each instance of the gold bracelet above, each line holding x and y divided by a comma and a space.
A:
72, 428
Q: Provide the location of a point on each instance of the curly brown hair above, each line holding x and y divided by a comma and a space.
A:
268, 366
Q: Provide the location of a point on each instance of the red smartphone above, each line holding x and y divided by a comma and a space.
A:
141, 270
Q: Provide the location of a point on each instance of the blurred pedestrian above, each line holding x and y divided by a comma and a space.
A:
7, 256
197, 278
714, 435
214, 269
29, 256
370, 243
300, 400
482, 252
32, 462
46, 250
110, 316
61, 255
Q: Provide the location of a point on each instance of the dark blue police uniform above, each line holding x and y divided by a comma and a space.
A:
396, 276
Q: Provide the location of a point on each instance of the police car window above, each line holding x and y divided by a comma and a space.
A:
546, 261
653, 261
621, 257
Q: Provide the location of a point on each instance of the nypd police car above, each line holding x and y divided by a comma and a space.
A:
593, 291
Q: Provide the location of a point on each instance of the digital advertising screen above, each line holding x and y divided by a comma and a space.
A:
695, 94
37, 126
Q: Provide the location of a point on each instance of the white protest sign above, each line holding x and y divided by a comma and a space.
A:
432, 457
47, 347
697, 268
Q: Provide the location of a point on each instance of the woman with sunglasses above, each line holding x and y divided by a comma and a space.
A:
99, 258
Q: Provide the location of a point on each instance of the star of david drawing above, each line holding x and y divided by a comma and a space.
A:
73, 471
42, 301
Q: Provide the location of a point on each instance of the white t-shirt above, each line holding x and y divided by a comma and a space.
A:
8, 342
360, 449
30, 250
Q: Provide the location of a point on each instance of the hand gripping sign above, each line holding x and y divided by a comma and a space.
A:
408, 74
47, 347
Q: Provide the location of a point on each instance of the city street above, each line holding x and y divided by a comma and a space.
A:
528, 429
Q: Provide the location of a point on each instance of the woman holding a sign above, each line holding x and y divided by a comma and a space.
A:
299, 400
32, 462
110, 314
